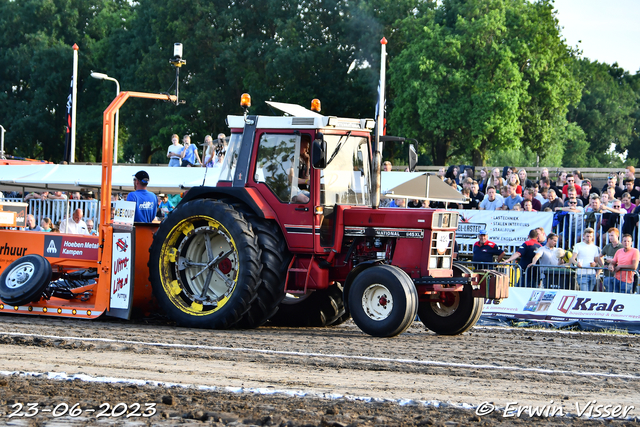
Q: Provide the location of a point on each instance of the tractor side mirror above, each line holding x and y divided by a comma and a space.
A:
319, 152
413, 158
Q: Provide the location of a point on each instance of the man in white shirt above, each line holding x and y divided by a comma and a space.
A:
536, 194
586, 254
75, 224
57, 195
491, 201
174, 151
548, 256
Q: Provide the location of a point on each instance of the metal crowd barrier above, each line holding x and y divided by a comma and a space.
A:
595, 279
569, 229
467, 248
58, 210
559, 276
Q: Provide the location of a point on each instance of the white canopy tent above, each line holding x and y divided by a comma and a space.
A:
420, 186
41, 177
163, 179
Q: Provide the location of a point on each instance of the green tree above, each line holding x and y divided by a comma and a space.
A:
605, 112
481, 76
634, 146
274, 50
36, 39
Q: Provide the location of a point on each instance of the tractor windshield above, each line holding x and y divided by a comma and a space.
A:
346, 179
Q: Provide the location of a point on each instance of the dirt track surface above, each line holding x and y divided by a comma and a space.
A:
317, 377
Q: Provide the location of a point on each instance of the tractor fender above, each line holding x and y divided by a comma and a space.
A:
247, 195
352, 275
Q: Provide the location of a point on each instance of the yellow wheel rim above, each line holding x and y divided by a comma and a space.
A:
199, 265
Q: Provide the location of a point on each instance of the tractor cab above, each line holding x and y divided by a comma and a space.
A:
274, 156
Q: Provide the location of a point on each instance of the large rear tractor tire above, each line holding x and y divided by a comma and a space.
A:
25, 279
275, 259
204, 265
456, 313
383, 301
324, 307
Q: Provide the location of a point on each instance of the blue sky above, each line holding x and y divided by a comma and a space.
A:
609, 30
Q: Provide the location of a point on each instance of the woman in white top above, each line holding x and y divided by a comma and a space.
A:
207, 152
174, 151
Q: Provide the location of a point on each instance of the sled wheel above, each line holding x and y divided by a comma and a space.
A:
455, 312
340, 320
324, 307
203, 265
339, 299
25, 279
275, 259
383, 301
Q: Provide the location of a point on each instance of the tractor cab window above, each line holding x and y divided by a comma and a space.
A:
231, 157
346, 179
282, 164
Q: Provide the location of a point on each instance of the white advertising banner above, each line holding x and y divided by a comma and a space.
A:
505, 228
566, 305
123, 213
121, 271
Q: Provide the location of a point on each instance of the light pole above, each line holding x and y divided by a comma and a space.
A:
2, 129
177, 62
102, 76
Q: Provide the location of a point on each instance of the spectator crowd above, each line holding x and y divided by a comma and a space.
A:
609, 266
76, 223
512, 189
597, 212
187, 154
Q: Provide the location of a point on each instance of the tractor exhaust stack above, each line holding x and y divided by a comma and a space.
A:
377, 148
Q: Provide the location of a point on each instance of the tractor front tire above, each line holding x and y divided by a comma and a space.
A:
204, 265
383, 301
25, 279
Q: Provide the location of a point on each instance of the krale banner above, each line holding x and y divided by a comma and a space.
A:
566, 305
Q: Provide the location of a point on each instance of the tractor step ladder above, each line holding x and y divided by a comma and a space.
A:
290, 270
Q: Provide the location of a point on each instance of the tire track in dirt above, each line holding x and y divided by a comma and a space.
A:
417, 365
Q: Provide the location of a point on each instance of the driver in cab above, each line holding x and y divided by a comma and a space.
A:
301, 180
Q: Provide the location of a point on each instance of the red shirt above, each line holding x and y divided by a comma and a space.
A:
626, 258
578, 189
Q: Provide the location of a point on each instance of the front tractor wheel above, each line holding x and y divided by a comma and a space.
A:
204, 265
383, 301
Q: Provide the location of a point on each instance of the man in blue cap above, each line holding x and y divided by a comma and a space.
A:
146, 201
484, 250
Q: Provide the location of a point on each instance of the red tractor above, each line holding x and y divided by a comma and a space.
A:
293, 234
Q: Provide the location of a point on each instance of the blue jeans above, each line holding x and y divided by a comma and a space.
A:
623, 287
609, 284
586, 281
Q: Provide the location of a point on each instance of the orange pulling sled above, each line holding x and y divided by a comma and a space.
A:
72, 275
